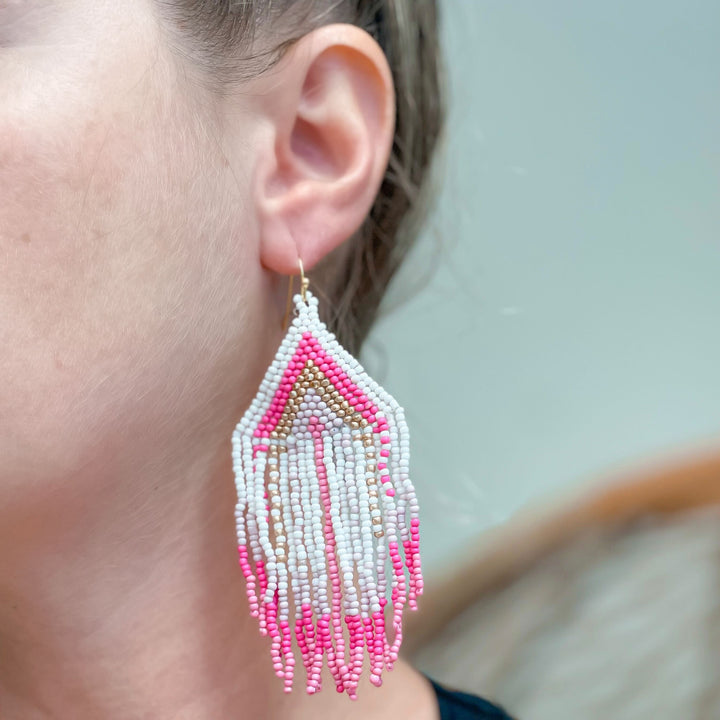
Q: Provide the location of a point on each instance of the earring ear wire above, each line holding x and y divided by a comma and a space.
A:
304, 284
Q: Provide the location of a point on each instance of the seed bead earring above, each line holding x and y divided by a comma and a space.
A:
325, 507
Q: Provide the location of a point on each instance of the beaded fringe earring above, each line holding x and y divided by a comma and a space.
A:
325, 502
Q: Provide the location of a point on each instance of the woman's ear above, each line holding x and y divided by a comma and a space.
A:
329, 112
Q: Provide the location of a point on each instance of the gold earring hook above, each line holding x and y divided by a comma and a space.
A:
304, 283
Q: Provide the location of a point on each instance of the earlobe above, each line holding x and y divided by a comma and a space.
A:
331, 110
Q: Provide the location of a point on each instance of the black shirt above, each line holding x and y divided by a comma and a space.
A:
458, 705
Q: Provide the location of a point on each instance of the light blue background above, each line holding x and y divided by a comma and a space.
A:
572, 323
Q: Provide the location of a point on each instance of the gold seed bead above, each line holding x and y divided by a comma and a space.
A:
379, 533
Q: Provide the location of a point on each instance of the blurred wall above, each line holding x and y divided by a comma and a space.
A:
572, 320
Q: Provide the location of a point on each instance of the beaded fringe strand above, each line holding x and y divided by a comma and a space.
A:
321, 460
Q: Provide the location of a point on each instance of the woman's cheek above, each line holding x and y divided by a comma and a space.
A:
72, 318
41, 233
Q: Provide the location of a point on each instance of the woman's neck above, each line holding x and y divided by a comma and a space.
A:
129, 603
